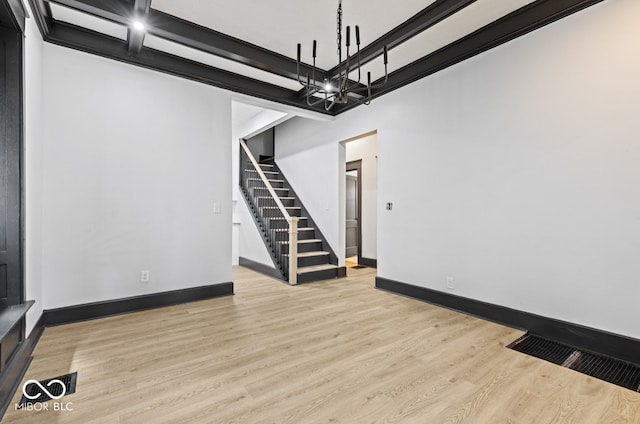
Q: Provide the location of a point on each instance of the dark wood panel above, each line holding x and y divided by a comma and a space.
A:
18, 364
9, 344
10, 163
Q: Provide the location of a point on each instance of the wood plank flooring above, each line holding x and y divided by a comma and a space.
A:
338, 351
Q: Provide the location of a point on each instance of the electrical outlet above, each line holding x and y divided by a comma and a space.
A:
451, 283
389, 206
144, 276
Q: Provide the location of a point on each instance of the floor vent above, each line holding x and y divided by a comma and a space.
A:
597, 366
42, 391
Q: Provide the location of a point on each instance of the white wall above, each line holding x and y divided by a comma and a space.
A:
134, 161
515, 172
366, 149
33, 146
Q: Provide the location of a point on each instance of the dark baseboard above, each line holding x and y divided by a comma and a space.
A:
35, 334
371, 263
586, 338
17, 366
261, 268
342, 271
107, 308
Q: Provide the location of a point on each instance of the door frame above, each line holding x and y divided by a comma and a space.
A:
356, 165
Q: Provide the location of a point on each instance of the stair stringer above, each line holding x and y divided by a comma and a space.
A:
333, 258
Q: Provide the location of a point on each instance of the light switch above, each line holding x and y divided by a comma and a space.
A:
216, 207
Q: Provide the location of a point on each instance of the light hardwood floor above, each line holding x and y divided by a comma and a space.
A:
328, 352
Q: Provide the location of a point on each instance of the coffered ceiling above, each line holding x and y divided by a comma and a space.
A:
249, 46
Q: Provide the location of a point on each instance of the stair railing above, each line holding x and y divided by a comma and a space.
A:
276, 221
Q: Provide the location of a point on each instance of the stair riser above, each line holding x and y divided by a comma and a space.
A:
314, 260
308, 277
305, 247
261, 191
288, 202
306, 235
271, 202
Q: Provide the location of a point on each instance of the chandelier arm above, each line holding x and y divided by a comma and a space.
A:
315, 83
312, 88
362, 102
359, 63
298, 64
328, 106
386, 78
316, 102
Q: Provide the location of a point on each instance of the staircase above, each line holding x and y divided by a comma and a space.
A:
283, 221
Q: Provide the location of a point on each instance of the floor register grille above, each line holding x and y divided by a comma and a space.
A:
614, 371
46, 390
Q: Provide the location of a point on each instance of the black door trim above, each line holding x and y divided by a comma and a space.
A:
356, 165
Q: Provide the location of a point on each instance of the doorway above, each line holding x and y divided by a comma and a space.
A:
359, 200
353, 213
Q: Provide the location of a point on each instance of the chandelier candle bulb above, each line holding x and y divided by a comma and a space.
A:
348, 36
314, 49
386, 60
299, 51
357, 35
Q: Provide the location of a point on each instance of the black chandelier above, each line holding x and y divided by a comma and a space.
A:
337, 88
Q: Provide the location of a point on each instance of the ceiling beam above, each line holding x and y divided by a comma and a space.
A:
135, 38
425, 19
71, 36
42, 16
195, 36
516, 24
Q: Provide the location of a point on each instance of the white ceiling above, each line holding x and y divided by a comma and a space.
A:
278, 25
72, 16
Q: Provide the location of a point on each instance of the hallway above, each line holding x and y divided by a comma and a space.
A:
332, 351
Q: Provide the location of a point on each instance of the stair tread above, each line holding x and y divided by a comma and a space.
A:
280, 218
310, 254
268, 179
276, 207
266, 164
265, 172
303, 241
312, 268
299, 229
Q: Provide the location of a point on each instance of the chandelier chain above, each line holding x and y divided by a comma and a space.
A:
339, 29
